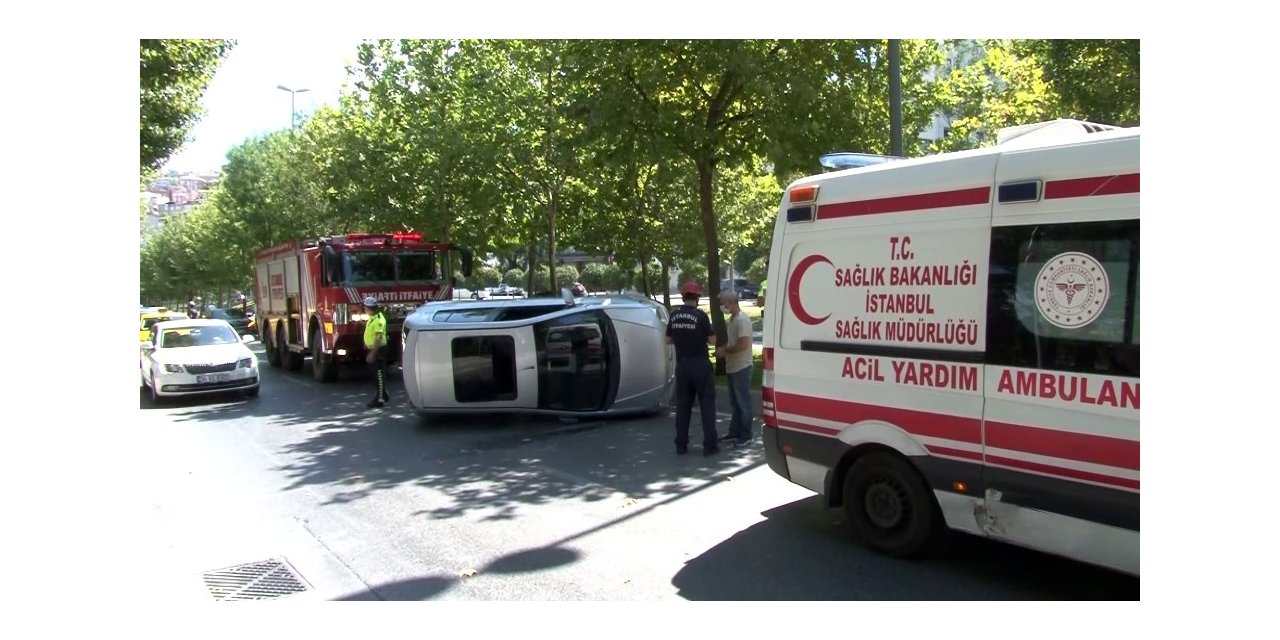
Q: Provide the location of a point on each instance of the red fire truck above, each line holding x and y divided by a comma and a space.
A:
310, 293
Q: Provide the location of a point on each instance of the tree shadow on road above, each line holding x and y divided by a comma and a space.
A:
804, 551
491, 464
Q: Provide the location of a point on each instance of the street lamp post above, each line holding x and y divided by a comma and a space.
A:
293, 113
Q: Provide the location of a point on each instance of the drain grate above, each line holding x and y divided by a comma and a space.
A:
254, 581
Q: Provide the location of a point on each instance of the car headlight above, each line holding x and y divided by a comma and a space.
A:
173, 368
246, 363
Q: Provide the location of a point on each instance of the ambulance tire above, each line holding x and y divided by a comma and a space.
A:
323, 368
273, 356
891, 508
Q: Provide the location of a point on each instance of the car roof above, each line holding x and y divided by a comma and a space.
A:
182, 324
162, 314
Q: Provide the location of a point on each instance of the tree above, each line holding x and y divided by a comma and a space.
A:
1095, 80
995, 84
174, 74
593, 276
723, 103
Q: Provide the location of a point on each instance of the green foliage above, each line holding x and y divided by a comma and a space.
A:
566, 275
541, 278
654, 273
693, 270
593, 276
1095, 80
759, 269
1005, 83
173, 77
486, 276
513, 276
616, 278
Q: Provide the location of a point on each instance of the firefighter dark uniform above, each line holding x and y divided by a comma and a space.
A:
690, 331
374, 327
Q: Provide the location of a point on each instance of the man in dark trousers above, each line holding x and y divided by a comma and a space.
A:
375, 343
689, 329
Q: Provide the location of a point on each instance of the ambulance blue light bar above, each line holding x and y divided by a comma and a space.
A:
844, 160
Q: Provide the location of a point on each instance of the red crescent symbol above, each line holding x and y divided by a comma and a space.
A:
793, 289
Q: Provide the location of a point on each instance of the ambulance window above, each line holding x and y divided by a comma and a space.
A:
1064, 297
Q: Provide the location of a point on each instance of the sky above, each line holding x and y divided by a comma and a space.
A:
243, 99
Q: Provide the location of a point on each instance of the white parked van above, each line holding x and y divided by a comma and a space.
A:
952, 343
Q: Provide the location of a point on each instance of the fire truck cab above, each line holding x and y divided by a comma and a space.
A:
310, 293
952, 343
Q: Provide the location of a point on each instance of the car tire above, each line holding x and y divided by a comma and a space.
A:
323, 368
890, 507
156, 398
253, 391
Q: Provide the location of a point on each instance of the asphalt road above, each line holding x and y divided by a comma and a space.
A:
388, 505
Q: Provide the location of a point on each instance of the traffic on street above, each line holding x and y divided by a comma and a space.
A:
389, 504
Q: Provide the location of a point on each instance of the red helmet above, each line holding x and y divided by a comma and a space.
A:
691, 288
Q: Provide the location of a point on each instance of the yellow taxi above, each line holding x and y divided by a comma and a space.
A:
153, 315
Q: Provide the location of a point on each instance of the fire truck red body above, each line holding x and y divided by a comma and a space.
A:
310, 293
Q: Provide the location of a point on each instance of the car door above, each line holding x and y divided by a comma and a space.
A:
146, 359
492, 368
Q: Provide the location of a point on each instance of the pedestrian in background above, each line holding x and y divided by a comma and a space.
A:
375, 344
689, 329
737, 364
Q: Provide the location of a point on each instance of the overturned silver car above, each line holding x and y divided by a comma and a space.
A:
601, 355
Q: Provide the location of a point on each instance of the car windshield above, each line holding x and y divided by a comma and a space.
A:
202, 336
219, 314
147, 322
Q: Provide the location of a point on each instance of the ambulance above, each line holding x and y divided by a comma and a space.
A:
951, 344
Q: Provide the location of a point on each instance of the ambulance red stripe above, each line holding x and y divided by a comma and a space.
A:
1084, 447
1099, 186
1081, 447
921, 423
916, 202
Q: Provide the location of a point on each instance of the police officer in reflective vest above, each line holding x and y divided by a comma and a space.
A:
689, 329
375, 343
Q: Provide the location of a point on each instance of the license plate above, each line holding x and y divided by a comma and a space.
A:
213, 377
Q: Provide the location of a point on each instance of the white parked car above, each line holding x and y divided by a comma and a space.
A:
185, 357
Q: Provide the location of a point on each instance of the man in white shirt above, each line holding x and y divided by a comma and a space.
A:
737, 355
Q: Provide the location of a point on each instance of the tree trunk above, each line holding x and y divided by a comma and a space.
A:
644, 279
551, 252
706, 173
666, 282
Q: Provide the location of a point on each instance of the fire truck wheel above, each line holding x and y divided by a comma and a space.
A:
273, 356
323, 368
890, 507
292, 361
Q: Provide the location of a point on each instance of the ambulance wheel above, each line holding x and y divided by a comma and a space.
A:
890, 507
273, 356
323, 367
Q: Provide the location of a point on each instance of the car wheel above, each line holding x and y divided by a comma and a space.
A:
323, 368
890, 507
252, 392
156, 398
